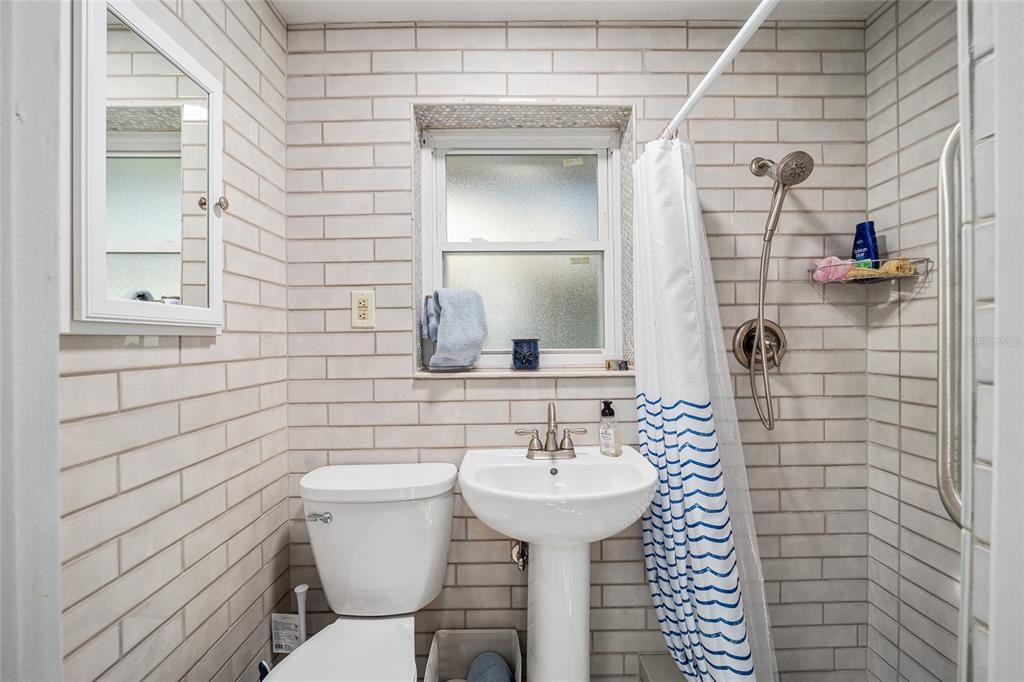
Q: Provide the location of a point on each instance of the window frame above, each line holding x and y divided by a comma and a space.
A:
438, 145
148, 246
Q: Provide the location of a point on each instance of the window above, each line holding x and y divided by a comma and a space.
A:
143, 225
529, 219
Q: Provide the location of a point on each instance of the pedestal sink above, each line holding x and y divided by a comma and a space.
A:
559, 507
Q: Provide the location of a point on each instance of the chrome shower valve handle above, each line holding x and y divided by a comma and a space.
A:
746, 344
760, 352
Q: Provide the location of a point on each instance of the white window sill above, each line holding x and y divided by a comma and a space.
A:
508, 373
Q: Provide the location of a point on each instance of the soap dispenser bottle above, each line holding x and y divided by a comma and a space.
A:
608, 432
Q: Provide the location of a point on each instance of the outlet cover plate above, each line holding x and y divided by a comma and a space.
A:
364, 310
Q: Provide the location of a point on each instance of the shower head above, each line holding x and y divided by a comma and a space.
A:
794, 168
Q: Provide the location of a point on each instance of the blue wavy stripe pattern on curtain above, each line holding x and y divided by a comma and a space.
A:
688, 542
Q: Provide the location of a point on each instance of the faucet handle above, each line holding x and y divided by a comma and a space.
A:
534, 435
567, 443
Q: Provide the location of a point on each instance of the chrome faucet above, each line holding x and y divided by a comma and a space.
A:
552, 448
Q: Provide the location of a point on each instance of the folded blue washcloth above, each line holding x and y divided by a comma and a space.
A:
489, 667
455, 318
431, 316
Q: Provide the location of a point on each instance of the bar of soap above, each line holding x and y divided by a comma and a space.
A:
862, 273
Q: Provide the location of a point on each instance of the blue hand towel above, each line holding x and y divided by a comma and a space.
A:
461, 327
431, 316
489, 667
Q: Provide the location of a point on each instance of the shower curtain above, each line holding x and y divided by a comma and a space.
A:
699, 541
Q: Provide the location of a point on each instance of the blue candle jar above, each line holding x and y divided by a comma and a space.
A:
525, 353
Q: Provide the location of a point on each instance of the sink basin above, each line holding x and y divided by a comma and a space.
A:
590, 497
559, 507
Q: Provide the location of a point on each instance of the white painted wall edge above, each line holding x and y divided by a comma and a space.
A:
30, 189
1006, 630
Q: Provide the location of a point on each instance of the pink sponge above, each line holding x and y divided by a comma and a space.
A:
830, 269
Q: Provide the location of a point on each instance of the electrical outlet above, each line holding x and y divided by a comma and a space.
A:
364, 310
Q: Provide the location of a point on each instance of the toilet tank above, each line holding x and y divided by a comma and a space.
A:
384, 550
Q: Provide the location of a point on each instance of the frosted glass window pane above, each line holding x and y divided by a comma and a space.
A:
556, 297
157, 273
521, 197
143, 199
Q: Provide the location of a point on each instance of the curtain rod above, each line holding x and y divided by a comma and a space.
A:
737, 44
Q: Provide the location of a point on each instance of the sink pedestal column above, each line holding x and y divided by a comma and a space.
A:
558, 615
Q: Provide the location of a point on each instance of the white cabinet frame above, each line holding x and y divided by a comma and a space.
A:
91, 311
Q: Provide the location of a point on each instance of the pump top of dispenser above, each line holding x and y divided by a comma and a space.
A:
606, 409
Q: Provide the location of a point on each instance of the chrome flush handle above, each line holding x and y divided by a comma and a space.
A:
326, 517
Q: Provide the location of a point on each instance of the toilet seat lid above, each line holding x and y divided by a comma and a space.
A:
356, 650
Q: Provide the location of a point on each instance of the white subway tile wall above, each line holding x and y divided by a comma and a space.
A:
913, 547
174, 450
979, 144
350, 226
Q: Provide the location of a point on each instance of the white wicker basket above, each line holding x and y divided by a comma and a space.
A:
452, 651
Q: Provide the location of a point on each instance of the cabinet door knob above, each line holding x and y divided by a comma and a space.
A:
222, 202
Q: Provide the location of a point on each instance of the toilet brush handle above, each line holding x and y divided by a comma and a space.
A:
300, 596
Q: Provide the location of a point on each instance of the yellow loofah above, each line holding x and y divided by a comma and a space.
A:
897, 267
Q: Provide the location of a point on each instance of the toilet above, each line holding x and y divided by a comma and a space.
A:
380, 536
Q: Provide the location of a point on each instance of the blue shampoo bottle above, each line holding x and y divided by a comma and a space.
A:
865, 244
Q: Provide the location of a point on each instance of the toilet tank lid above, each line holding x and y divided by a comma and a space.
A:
377, 482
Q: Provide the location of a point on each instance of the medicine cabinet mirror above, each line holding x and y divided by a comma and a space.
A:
146, 239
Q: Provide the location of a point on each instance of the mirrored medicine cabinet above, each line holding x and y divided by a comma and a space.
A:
146, 243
